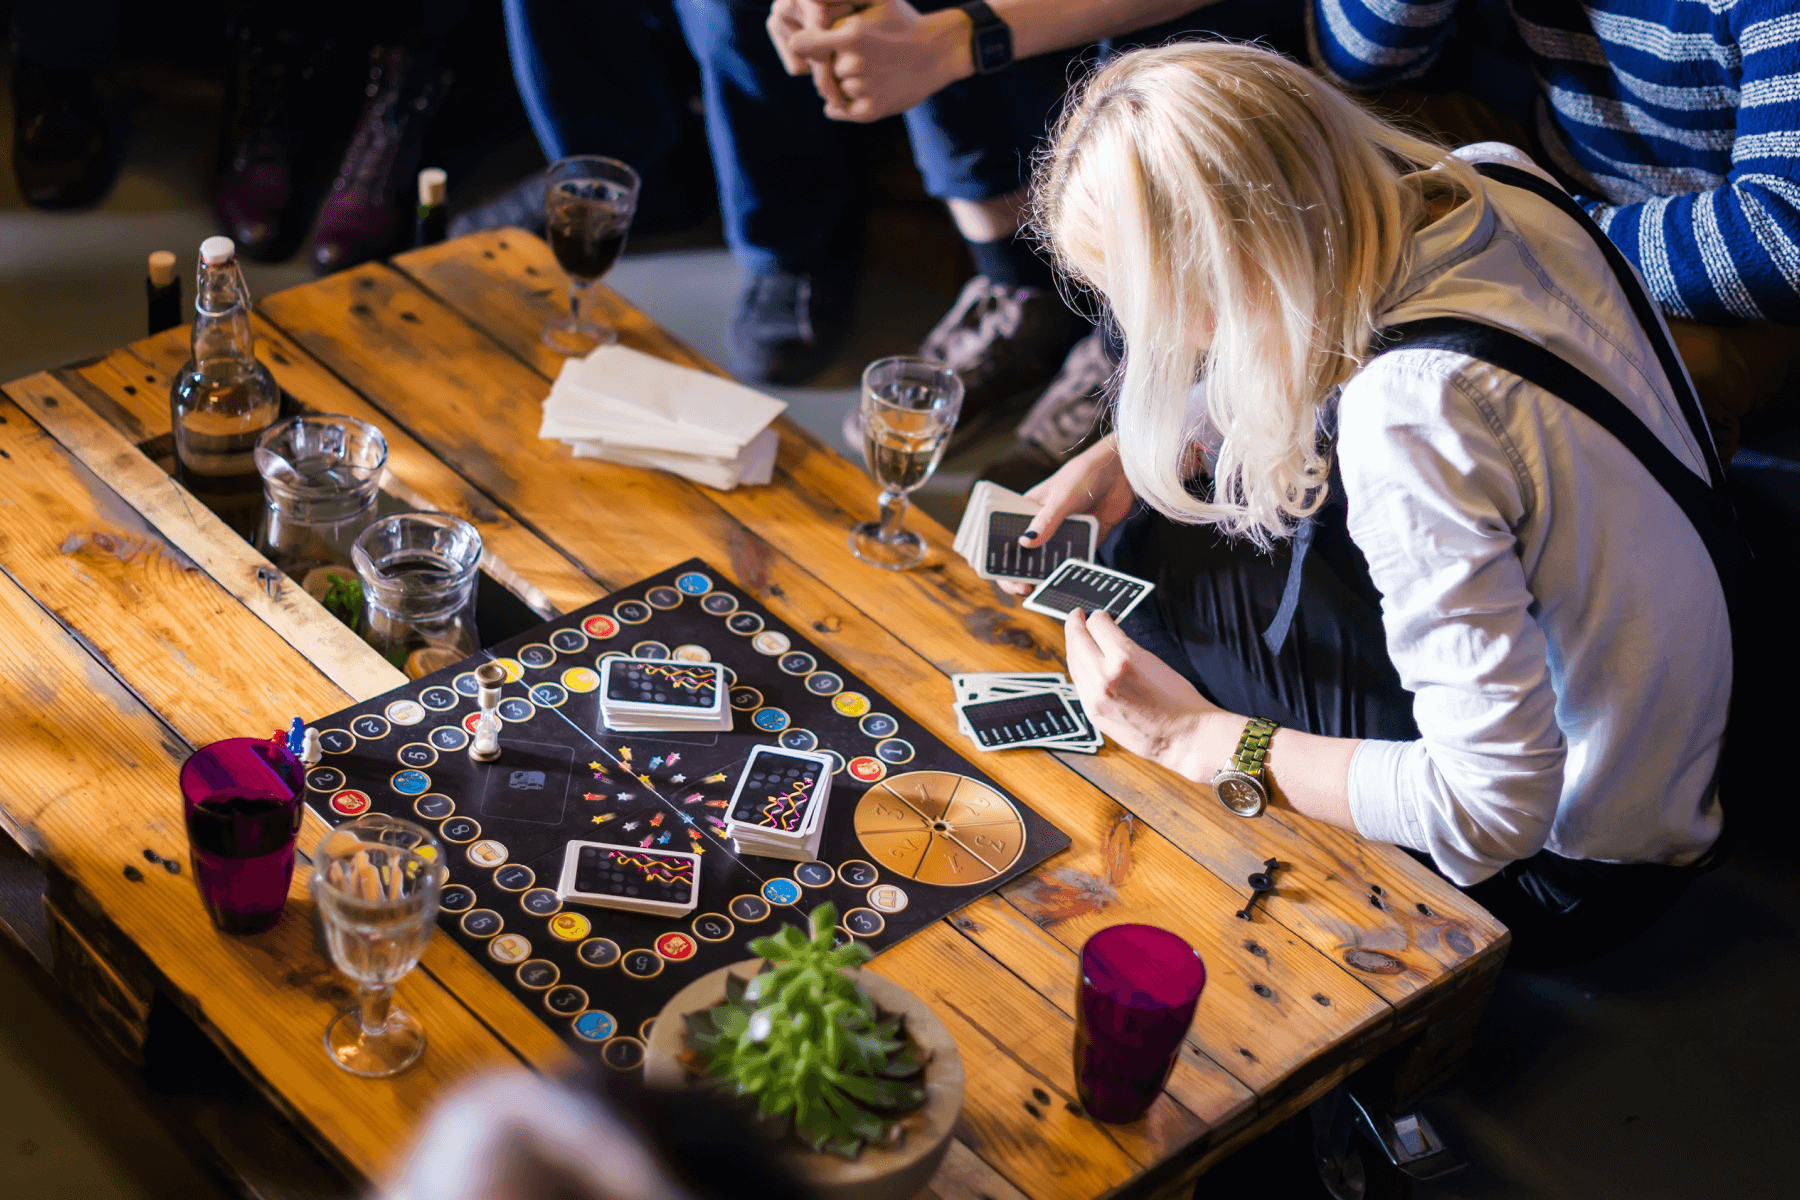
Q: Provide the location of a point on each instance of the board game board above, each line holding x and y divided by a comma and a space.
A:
912, 833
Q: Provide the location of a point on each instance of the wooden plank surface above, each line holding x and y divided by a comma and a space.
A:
962, 623
96, 770
131, 385
165, 626
803, 592
1305, 991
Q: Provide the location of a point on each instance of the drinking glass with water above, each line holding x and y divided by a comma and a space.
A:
588, 206
909, 407
418, 576
376, 882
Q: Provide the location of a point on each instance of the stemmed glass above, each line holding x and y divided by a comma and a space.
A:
588, 205
909, 407
376, 882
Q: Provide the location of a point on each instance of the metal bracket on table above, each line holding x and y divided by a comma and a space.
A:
1260, 882
1408, 1140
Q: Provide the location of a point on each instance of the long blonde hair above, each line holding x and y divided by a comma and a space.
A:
1220, 195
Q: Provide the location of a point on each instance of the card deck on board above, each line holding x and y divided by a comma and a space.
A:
610, 875
1089, 587
662, 685
780, 793
647, 695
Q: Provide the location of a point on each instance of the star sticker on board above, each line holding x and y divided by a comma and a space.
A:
592, 796
603, 818
594, 766
678, 779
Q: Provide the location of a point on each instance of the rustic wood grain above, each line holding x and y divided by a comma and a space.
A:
657, 520
112, 576
199, 537
98, 771
133, 381
1358, 949
1202, 1086
936, 611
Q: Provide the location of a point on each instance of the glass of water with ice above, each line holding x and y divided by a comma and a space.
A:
376, 881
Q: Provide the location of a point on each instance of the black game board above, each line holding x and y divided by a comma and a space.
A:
914, 831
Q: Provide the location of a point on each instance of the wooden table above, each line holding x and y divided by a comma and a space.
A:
139, 627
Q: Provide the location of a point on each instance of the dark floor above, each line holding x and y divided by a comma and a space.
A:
1663, 1071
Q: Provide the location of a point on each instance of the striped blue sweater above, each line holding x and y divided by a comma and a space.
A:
1680, 119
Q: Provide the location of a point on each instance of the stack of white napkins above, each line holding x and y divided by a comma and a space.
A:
624, 406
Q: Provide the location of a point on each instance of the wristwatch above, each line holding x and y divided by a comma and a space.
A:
1240, 787
991, 43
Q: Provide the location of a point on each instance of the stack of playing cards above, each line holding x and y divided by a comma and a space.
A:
989, 536
1005, 711
645, 695
778, 809
664, 883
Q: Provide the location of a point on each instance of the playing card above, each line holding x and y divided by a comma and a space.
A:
607, 875
1004, 558
645, 685
1017, 721
780, 793
988, 536
1090, 588
1029, 679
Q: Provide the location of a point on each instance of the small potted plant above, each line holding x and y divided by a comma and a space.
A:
855, 1071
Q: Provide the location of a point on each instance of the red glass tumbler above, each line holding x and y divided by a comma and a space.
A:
1139, 986
241, 798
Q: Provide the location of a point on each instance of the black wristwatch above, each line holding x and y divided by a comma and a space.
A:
991, 43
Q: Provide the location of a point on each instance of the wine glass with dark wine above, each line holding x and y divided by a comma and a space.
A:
588, 205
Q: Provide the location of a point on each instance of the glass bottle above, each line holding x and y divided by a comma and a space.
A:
320, 476
223, 399
418, 581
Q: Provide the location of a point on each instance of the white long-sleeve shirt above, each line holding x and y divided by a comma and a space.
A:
1555, 614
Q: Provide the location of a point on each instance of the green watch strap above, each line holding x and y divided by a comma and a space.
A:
1253, 748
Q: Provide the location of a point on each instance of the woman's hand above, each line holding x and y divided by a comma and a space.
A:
1092, 482
1136, 699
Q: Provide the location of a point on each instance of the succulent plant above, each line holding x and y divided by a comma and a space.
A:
808, 1045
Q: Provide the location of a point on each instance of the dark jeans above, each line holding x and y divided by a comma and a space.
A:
603, 78
786, 172
1214, 598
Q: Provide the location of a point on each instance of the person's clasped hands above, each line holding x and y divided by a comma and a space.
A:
873, 59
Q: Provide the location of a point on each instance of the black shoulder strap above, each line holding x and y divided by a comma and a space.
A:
1641, 304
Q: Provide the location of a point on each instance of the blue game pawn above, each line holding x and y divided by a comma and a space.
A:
296, 738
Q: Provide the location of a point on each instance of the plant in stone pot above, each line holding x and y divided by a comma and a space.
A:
807, 1044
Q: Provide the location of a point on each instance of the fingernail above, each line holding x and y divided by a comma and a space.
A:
1030, 535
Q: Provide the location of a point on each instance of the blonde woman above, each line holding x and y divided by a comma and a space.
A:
1421, 485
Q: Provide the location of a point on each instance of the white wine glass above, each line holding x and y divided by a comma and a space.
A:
376, 881
909, 407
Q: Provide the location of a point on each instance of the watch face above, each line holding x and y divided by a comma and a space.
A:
1239, 793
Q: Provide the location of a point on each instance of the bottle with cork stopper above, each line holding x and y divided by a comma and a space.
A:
162, 292
223, 399
434, 212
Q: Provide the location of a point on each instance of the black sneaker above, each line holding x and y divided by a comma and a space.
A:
1002, 340
788, 327
1065, 421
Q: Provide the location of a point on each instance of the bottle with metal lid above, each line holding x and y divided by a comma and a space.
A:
223, 399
